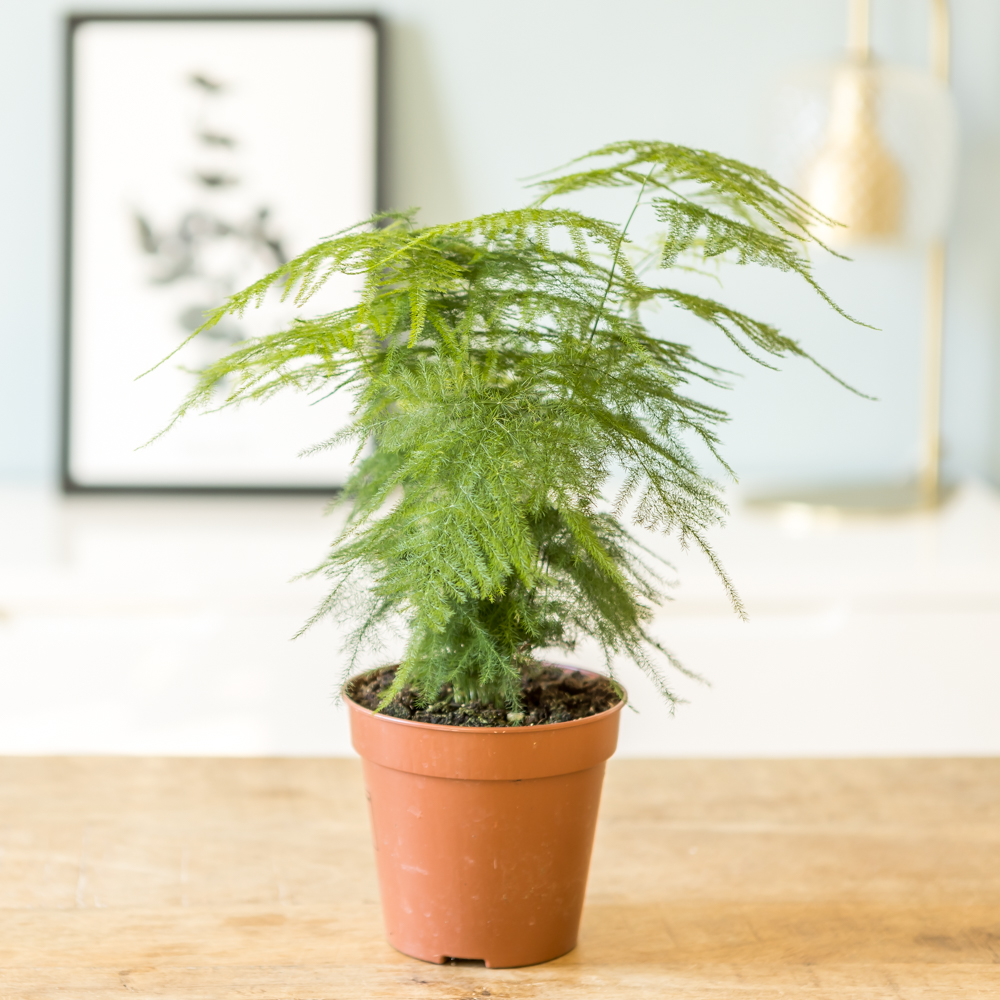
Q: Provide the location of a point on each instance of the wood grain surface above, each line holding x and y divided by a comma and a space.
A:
225, 878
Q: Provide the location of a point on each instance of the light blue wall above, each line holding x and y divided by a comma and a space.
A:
482, 94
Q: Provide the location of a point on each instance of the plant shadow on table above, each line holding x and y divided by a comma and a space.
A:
798, 933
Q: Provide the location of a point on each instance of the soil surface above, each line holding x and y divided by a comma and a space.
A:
551, 694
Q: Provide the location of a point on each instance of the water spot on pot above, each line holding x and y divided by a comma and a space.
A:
413, 868
416, 811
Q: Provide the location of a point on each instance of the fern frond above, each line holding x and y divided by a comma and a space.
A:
502, 368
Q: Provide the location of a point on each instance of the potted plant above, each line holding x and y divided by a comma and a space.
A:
502, 371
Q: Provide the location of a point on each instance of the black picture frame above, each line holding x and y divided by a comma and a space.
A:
72, 483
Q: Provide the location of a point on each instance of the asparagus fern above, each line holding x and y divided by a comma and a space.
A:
503, 371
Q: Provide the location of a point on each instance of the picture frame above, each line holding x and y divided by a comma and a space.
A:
203, 150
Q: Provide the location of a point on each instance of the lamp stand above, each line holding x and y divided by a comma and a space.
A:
929, 483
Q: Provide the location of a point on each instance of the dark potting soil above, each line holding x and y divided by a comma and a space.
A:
551, 694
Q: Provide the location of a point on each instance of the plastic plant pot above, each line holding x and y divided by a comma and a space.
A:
483, 836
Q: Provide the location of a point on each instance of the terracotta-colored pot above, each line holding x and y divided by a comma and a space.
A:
483, 836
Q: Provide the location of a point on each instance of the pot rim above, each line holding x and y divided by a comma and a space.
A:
544, 727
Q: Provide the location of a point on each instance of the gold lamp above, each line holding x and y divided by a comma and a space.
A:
874, 148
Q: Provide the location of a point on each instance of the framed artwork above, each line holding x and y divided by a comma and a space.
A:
203, 151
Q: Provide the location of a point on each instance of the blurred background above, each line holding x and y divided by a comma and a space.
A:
161, 624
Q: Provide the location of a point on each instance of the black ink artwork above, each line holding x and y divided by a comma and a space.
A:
204, 152
209, 249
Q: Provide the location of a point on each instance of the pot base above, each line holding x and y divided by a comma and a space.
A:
477, 962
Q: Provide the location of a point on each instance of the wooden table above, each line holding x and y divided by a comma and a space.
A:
195, 878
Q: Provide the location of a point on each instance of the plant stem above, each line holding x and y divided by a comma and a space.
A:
614, 259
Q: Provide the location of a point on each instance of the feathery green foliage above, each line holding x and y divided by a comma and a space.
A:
502, 370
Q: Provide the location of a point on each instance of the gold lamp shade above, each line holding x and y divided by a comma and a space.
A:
854, 179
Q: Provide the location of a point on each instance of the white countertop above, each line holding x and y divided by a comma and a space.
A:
161, 625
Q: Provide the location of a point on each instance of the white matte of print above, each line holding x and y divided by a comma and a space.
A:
204, 154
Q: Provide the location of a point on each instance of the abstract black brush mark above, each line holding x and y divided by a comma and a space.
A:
207, 247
